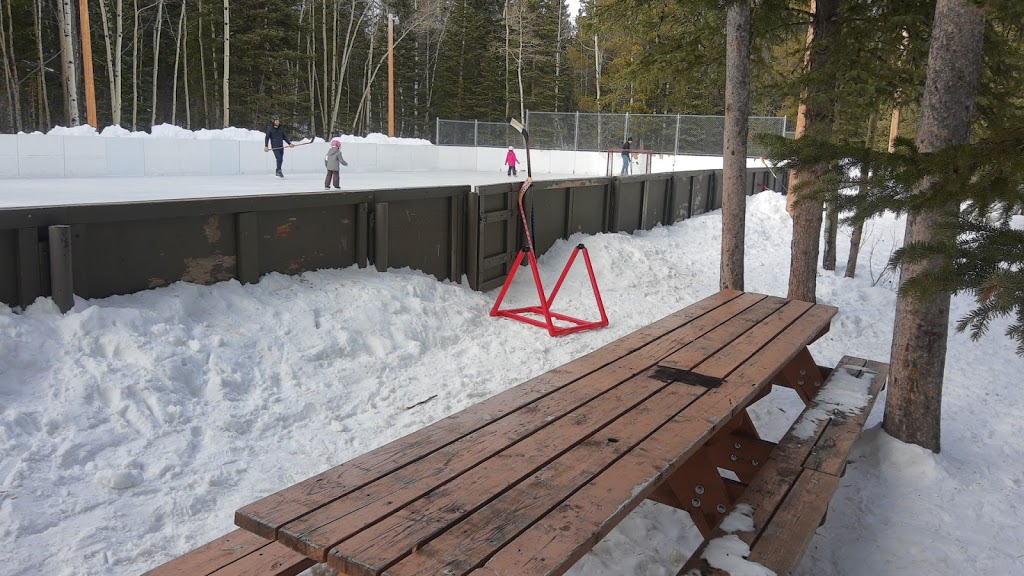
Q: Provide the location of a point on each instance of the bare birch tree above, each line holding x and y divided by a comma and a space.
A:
113, 57
420, 19
177, 59
11, 66
66, 19
913, 407
9, 85
341, 64
37, 17
737, 114
135, 65
188, 100
156, 58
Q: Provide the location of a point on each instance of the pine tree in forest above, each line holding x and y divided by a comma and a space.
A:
469, 84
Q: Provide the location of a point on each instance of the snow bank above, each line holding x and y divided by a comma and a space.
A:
231, 133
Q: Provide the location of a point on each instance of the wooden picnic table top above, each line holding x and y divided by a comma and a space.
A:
527, 481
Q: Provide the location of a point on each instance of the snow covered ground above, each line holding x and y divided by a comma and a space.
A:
134, 426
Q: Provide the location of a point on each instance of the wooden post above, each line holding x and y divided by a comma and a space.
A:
391, 75
61, 274
90, 87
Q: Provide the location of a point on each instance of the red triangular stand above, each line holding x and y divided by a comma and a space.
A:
544, 309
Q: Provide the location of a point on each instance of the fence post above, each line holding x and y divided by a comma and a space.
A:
625, 130
437, 136
526, 120
476, 130
675, 152
61, 271
576, 136
784, 118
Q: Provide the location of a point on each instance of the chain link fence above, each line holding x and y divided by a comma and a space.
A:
587, 131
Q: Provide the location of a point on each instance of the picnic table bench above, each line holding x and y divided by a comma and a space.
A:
529, 480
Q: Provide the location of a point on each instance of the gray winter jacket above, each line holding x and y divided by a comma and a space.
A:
333, 159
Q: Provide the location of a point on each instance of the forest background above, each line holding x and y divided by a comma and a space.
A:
322, 64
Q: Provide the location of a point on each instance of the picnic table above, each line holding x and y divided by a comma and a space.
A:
529, 480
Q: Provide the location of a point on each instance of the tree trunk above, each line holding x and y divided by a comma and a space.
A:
862, 190
894, 123
828, 257
734, 168
9, 86
184, 64
37, 17
202, 69
66, 18
913, 407
519, 62
558, 59
351, 34
156, 58
13, 73
227, 63
508, 54
597, 78
177, 58
215, 111
135, 67
115, 112
814, 117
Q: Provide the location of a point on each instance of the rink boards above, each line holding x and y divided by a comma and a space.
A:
458, 233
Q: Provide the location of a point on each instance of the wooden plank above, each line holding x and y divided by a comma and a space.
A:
247, 247
399, 535
536, 436
785, 540
28, 272
718, 336
272, 560
683, 359
775, 482
315, 533
212, 556
633, 352
833, 448
556, 542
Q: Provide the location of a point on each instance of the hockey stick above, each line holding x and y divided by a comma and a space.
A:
772, 172
292, 146
527, 227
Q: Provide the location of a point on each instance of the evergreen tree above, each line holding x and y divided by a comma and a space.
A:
469, 84
962, 198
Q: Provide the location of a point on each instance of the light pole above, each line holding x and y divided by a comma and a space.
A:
90, 90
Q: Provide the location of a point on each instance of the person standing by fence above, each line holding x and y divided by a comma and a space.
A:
626, 147
275, 140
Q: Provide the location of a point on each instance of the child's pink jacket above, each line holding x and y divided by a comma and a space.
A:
510, 158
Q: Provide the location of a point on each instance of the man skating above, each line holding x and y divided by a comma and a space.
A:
275, 140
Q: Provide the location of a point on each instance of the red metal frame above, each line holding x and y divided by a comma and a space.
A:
544, 309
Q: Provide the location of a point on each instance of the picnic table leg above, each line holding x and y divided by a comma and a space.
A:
701, 491
802, 375
740, 453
